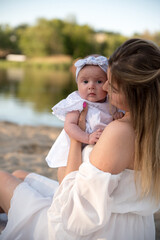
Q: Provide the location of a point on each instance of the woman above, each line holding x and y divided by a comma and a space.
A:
115, 192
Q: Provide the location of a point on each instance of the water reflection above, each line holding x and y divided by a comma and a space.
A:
28, 94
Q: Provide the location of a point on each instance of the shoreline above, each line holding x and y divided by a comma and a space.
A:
25, 147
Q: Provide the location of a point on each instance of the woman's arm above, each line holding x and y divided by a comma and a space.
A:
74, 160
75, 151
114, 151
74, 157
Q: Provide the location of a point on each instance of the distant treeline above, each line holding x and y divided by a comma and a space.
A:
49, 37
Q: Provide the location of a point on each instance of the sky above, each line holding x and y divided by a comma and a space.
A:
126, 16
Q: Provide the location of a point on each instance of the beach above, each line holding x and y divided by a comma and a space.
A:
25, 147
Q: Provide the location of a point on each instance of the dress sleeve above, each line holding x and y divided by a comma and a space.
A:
72, 103
82, 202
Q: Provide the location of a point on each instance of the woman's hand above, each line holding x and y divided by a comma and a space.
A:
82, 117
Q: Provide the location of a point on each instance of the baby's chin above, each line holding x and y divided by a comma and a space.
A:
94, 99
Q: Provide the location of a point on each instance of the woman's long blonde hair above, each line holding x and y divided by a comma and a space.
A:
135, 67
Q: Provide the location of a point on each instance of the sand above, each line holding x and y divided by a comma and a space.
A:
25, 147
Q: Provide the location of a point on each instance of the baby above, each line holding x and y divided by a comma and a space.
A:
91, 74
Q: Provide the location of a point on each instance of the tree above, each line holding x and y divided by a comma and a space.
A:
8, 39
42, 39
78, 40
113, 41
49, 37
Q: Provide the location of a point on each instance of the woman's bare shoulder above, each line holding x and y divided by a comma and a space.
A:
120, 127
114, 151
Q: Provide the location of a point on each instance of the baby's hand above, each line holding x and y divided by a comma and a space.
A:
118, 115
93, 137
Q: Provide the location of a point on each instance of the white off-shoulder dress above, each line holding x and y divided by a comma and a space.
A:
88, 205
98, 116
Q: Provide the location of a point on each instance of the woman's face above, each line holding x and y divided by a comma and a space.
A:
116, 96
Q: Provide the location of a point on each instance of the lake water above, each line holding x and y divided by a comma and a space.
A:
28, 94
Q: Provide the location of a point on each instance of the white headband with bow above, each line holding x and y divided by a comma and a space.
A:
100, 61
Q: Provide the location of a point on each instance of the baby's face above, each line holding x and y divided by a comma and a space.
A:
90, 83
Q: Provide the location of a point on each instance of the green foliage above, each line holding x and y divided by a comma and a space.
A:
8, 39
147, 35
50, 37
43, 39
112, 43
78, 40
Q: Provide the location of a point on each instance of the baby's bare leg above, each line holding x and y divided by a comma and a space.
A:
21, 174
7, 187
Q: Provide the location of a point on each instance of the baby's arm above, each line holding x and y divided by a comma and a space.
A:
74, 131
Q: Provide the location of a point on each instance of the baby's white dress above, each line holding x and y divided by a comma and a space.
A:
88, 205
98, 116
